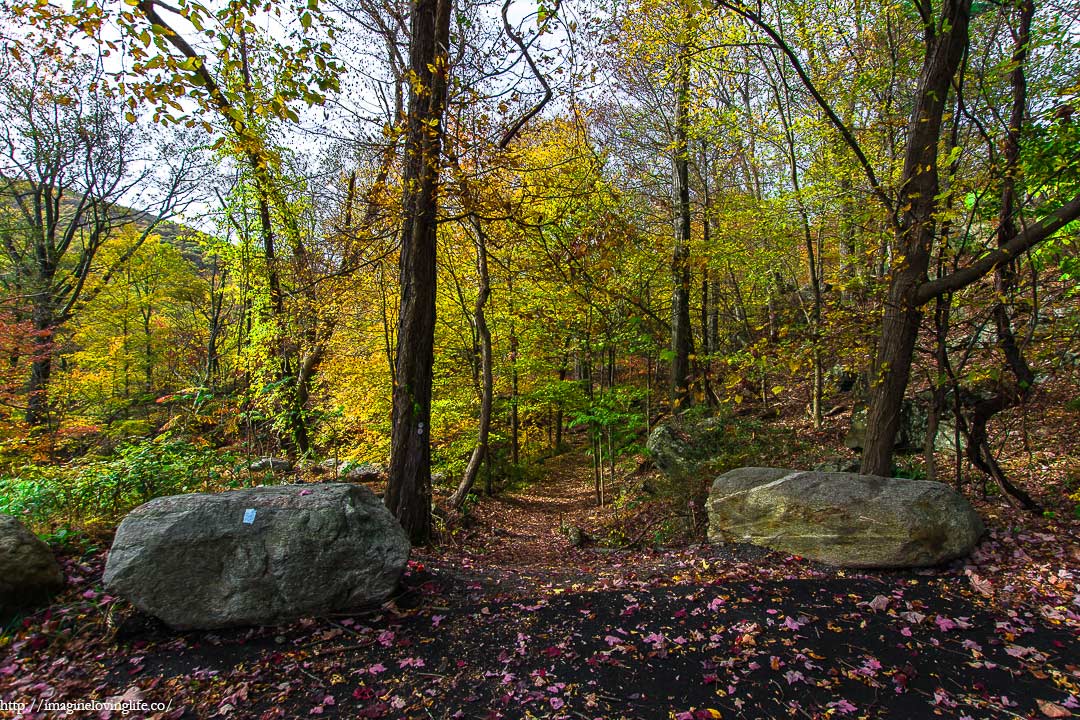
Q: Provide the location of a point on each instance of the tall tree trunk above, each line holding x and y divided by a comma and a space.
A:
44, 323
563, 370
487, 388
946, 44
813, 317
515, 415
708, 293
408, 488
682, 338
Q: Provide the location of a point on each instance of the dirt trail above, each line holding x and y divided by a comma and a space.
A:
525, 529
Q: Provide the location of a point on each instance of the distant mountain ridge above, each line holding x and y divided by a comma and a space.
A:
176, 234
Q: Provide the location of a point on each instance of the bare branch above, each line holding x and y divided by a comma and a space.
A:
520, 123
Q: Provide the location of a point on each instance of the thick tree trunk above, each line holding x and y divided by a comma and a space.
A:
408, 489
37, 404
946, 44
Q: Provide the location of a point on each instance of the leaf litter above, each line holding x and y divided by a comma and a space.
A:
523, 625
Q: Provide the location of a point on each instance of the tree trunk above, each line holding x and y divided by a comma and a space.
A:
515, 417
487, 388
682, 339
946, 44
408, 488
1007, 395
37, 403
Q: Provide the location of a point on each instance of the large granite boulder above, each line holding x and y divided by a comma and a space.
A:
843, 519
257, 556
679, 446
29, 574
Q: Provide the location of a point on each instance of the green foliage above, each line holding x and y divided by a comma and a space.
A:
95, 489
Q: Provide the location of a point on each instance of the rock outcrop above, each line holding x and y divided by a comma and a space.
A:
843, 519
680, 447
257, 556
913, 430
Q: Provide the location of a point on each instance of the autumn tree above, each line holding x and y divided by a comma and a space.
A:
914, 207
69, 158
408, 491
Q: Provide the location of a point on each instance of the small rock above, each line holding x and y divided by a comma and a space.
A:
271, 464
29, 574
839, 464
364, 472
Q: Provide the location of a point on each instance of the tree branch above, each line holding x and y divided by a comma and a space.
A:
845, 132
1020, 243
520, 123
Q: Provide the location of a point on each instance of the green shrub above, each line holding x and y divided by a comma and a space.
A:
98, 489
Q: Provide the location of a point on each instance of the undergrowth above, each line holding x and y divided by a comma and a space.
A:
99, 491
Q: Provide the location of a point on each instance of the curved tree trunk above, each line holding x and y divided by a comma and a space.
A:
487, 383
947, 42
1007, 395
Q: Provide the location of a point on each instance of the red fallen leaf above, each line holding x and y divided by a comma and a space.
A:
378, 710
1053, 710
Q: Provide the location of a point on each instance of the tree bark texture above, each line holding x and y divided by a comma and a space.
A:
682, 339
408, 489
916, 230
487, 389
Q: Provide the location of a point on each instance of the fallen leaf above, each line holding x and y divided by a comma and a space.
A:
1052, 710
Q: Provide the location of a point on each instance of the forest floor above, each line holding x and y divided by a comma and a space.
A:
508, 620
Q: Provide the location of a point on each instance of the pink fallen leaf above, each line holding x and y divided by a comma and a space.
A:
843, 706
944, 623
794, 676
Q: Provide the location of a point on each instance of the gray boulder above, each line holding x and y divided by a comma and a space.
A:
363, 472
843, 519
257, 556
681, 447
271, 464
29, 574
912, 433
